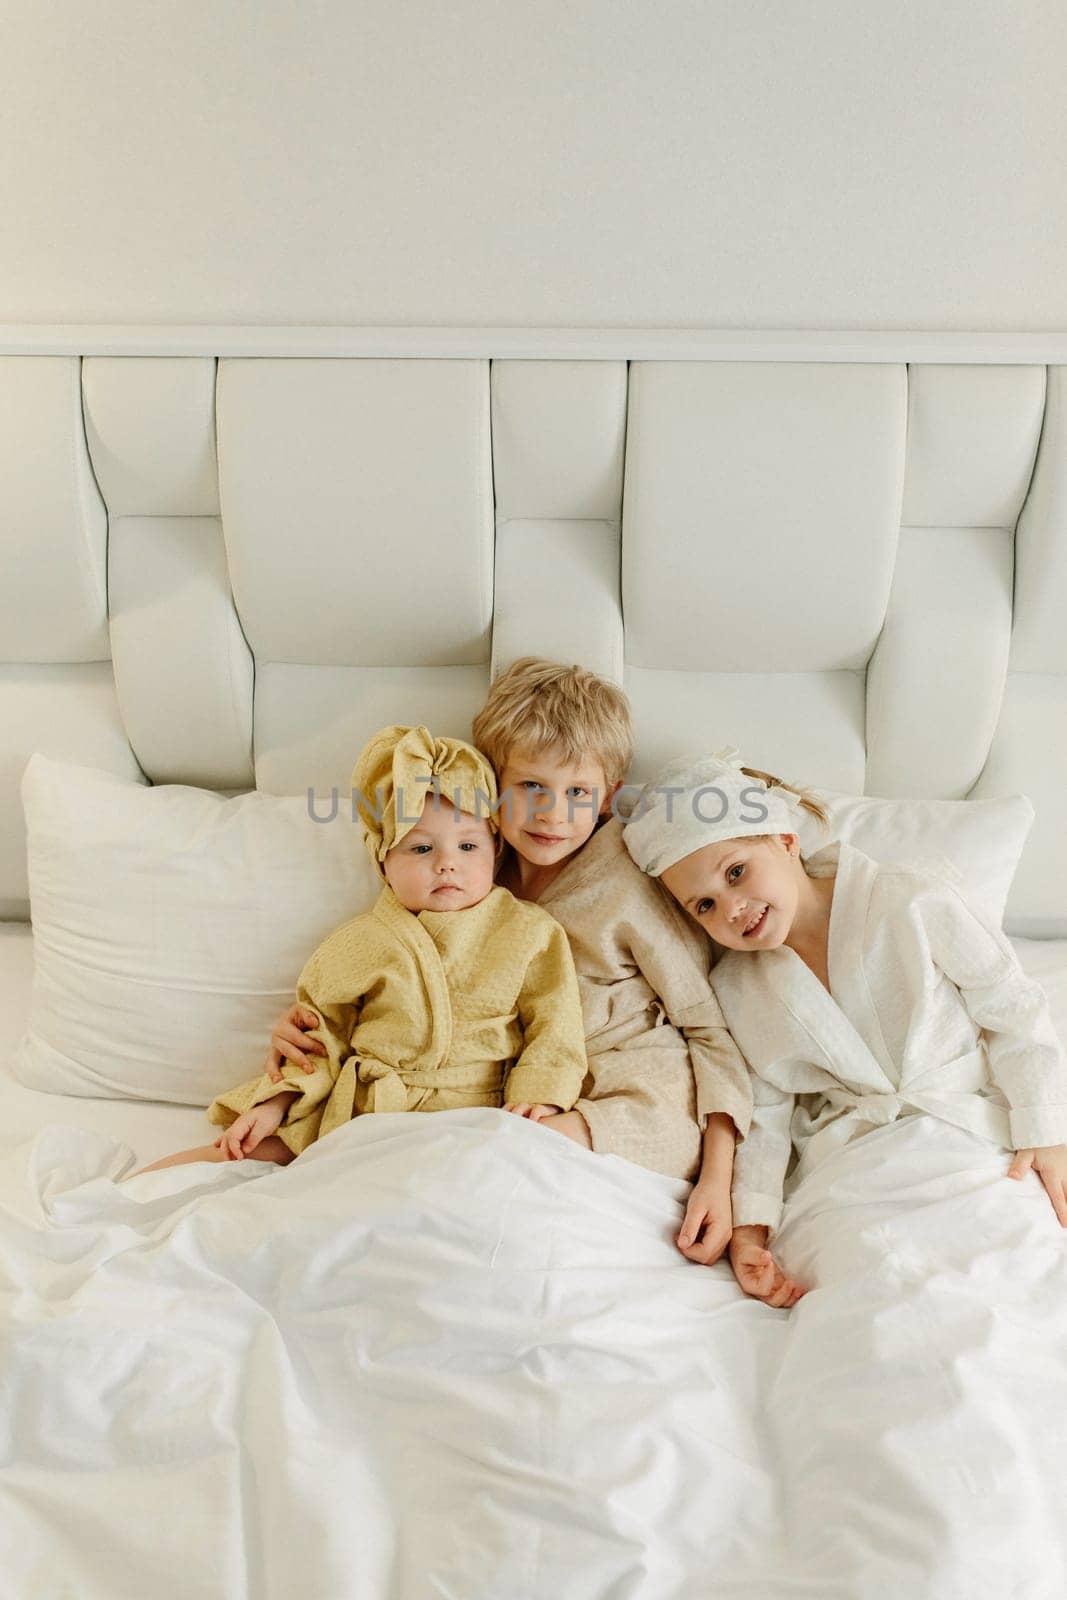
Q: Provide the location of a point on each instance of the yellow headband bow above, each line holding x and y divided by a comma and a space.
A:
400, 766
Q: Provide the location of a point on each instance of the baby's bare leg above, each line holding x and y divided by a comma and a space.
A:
269, 1149
572, 1124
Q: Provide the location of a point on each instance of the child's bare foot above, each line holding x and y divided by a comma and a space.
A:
269, 1149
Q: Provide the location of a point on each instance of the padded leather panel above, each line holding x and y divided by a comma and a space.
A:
311, 721
183, 672
53, 526
761, 514
936, 679
804, 726
348, 488
557, 594
972, 437
150, 424
559, 428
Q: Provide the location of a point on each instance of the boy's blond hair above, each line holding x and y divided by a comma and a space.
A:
541, 705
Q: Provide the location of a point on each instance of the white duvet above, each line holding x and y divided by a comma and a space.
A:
454, 1356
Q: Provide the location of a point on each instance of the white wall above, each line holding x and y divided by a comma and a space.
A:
810, 163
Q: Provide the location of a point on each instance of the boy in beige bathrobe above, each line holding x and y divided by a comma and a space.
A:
666, 1087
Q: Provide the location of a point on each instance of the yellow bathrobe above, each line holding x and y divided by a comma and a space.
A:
431, 1011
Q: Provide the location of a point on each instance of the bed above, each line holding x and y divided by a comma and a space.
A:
446, 1357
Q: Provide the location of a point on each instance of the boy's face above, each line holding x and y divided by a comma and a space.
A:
743, 892
550, 805
445, 862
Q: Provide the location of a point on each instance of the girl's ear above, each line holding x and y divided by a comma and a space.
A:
791, 841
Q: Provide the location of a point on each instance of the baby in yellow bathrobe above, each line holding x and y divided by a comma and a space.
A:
449, 993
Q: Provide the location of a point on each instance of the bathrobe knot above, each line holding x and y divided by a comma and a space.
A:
383, 1087
879, 1108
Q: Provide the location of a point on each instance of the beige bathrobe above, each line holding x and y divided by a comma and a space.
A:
431, 1011
660, 1059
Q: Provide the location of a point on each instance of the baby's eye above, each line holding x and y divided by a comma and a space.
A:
738, 868
576, 789
468, 844
417, 849
703, 907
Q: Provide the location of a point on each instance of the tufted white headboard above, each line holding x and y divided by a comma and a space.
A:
228, 555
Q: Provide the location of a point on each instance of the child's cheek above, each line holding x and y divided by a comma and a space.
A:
524, 811
509, 824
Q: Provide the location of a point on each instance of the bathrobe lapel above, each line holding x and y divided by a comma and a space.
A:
406, 928
843, 1023
846, 958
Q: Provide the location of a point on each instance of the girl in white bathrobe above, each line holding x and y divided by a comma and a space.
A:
858, 992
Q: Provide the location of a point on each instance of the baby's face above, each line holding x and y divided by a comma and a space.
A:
743, 892
549, 804
445, 862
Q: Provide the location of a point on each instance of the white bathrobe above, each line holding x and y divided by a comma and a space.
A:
928, 1011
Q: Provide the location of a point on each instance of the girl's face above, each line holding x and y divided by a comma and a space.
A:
445, 862
743, 892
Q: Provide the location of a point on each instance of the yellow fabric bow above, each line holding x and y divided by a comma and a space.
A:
400, 766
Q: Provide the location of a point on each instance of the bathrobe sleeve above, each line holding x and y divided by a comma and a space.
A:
1026, 1059
761, 1160
332, 982
665, 950
551, 1067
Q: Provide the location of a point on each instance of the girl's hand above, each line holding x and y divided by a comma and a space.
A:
288, 1039
708, 1222
252, 1127
1049, 1161
535, 1113
757, 1271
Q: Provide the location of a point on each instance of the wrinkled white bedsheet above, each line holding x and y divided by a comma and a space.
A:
454, 1356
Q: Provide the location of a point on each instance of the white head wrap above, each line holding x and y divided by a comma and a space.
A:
699, 800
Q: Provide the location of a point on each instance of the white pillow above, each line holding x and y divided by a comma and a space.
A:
170, 926
982, 839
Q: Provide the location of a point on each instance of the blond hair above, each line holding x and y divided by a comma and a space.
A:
805, 797
542, 705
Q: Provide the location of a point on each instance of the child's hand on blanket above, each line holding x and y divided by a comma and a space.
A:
535, 1113
708, 1223
1049, 1161
757, 1271
288, 1039
252, 1127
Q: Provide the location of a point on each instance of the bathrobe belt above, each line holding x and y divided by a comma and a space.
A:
382, 1087
948, 1090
